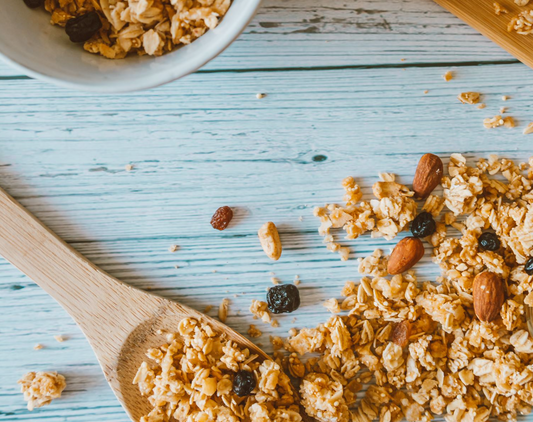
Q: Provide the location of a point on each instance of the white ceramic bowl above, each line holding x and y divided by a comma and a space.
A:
30, 43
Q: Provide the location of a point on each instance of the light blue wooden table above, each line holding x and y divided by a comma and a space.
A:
345, 96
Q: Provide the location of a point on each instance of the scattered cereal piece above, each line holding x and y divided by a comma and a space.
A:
493, 122
508, 122
528, 129
448, 76
254, 332
375, 264
499, 9
503, 110
223, 310
402, 60
426, 91
481, 106
469, 97
208, 308
274, 323
521, 2
40, 388
275, 280
505, 98
129, 167
260, 96
277, 342
38, 346
260, 310
173, 248
332, 305
59, 339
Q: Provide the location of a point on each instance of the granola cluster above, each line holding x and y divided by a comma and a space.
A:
191, 379
40, 388
152, 27
386, 216
421, 344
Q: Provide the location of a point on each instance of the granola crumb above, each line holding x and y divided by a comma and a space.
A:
173, 248
528, 129
260, 311
508, 122
176, 267
499, 9
260, 96
481, 106
493, 122
277, 342
128, 167
275, 280
274, 323
254, 332
448, 76
59, 339
38, 346
40, 388
503, 110
297, 281
469, 97
332, 305
505, 98
301, 218
208, 308
223, 310
426, 91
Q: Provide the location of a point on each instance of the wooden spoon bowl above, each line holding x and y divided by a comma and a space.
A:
120, 322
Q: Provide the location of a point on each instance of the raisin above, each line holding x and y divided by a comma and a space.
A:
423, 225
221, 218
83, 27
401, 333
32, 4
244, 383
283, 298
529, 266
489, 242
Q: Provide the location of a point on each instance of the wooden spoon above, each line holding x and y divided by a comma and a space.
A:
120, 321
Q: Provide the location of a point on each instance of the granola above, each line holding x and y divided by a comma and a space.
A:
40, 388
152, 27
191, 379
421, 343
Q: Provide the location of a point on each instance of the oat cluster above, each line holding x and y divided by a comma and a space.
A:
40, 388
420, 345
152, 27
191, 379
386, 216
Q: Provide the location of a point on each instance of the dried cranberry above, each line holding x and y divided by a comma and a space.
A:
244, 383
221, 218
32, 4
529, 266
489, 242
423, 225
83, 27
283, 298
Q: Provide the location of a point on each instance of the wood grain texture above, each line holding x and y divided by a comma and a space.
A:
206, 141
480, 15
310, 33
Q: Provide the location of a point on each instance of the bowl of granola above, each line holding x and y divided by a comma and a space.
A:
114, 46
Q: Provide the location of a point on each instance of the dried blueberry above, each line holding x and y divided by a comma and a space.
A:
489, 242
83, 27
283, 298
244, 383
529, 266
32, 4
423, 225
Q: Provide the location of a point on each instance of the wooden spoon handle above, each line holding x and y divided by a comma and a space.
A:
87, 293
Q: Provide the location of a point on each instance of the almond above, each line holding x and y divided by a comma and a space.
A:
428, 175
401, 333
488, 293
407, 253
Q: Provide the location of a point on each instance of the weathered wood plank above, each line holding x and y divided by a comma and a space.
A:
305, 33
195, 148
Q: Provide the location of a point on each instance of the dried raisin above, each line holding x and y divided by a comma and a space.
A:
83, 27
244, 383
221, 218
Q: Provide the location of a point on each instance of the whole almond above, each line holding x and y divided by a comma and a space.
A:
428, 175
405, 255
488, 292
269, 238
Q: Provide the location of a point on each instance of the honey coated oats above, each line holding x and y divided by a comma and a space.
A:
152, 27
40, 388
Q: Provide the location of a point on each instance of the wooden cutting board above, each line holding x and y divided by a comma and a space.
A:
479, 14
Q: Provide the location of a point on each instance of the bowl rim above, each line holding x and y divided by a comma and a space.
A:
221, 42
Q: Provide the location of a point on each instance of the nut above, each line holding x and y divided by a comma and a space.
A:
407, 253
269, 237
401, 333
222, 217
428, 175
488, 293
